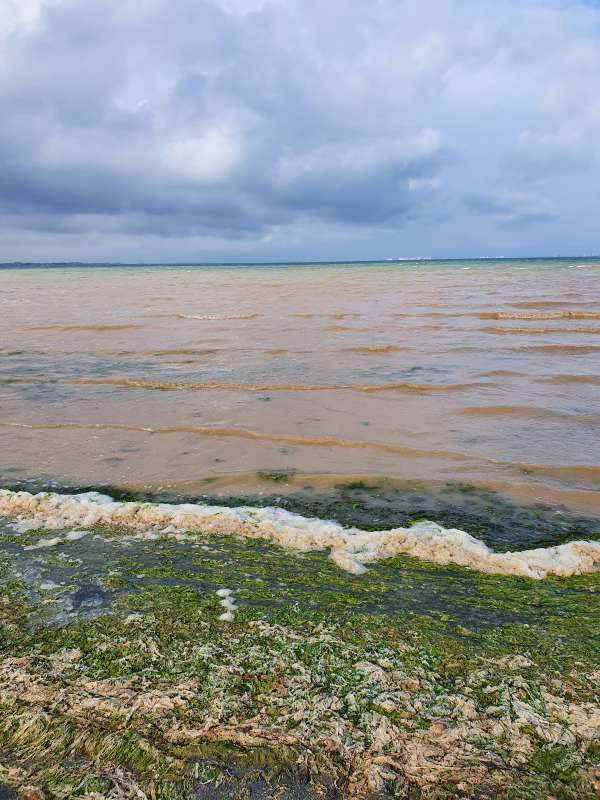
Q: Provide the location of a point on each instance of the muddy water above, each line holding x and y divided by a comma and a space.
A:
167, 377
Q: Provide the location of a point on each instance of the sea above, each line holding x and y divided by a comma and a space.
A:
251, 378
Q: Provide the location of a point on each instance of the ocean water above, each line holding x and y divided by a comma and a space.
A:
194, 377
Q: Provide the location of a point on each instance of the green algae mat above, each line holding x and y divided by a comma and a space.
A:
119, 678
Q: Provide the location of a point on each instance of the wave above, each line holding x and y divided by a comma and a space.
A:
573, 349
592, 380
216, 316
502, 373
365, 388
539, 315
350, 548
537, 331
543, 304
435, 315
92, 328
563, 472
185, 351
187, 386
529, 412
567, 472
245, 433
344, 329
374, 348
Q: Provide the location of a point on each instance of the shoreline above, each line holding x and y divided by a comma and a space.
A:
352, 549
280, 482
372, 503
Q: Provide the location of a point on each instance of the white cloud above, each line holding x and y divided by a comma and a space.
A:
209, 158
19, 16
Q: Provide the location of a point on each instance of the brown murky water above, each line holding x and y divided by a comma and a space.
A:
480, 372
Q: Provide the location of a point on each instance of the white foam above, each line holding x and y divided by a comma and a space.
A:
75, 536
227, 601
25, 525
352, 549
132, 618
47, 586
72, 536
41, 543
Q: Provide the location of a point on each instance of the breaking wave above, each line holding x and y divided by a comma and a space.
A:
350, 548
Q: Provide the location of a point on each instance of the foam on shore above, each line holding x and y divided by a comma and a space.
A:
350, 548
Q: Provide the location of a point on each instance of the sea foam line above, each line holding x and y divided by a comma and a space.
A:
350, 548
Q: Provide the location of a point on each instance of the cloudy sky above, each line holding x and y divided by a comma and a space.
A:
298, 129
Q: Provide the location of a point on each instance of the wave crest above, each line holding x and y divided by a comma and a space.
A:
539, 315
216, 316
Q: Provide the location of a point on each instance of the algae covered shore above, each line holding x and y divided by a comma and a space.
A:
120, 678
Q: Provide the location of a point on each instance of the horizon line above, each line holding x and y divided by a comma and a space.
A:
387, 260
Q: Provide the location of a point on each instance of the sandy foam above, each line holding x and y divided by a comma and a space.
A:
350, 548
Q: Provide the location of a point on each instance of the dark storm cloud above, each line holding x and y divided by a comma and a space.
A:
242, 119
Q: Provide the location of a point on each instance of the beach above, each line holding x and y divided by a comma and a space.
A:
309, 531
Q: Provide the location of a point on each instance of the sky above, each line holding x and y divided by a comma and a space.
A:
266, 130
